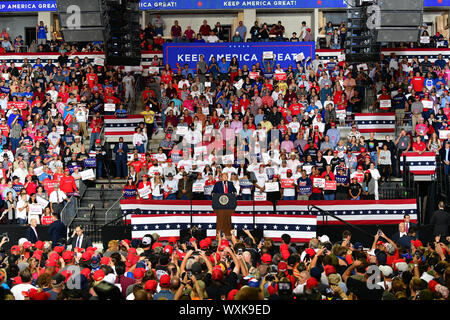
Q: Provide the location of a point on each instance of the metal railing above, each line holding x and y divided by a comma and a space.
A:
443, 180
397, 193
110, 208
69, 211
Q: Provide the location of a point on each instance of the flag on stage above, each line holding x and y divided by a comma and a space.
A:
123, 127
362, 212
375, 122
419, 164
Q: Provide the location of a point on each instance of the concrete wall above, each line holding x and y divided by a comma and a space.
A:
292, 22
195, 20
15, 25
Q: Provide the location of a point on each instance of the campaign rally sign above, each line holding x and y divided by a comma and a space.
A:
30, 6
238, 4
51, 6
249, 53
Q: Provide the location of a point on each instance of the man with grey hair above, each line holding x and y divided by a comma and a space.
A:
32, 234
301, 282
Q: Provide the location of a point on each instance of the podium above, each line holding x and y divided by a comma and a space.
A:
224, 205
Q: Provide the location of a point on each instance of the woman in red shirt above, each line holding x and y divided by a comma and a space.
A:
419, 146
145, 183
215, 118
209, 184
251, 124
30, 186
338, 93
47, 218
166, 77
244, 103
282, 127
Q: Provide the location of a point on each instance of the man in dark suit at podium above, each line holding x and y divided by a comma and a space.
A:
224, 186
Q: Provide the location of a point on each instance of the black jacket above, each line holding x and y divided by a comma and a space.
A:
31, 236
56, 231
85, 242
440, 220
275, 118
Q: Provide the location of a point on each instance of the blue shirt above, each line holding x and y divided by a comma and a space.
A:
304, 186
185, 72
165, 294
224, 66
42, 34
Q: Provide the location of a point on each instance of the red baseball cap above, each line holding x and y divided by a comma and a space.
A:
139, 273
151, 286
86, 272
329, 269
217, 273
53, 256
311, 252
231, 294
360, 167
164, 281
105, 260
27, 245
282, 266
266, 258
68, 255
311, 283
363, 149
51, 263
39, 244
203, 244
35, 294
99, 275
58, 249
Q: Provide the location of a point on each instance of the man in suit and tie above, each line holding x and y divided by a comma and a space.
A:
408, 224
445, 157
121, 151
79, 240
224, 186
32, 234
57, 230
400, 234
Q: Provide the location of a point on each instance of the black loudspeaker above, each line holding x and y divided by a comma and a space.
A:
82, 21
256, 233
398, 35
186, 234
401, 4
399, 20
360, 41
122, 36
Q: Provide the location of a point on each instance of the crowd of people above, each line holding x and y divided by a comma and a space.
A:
397, 267
286, 139
335, 34
51, 124
46, 41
